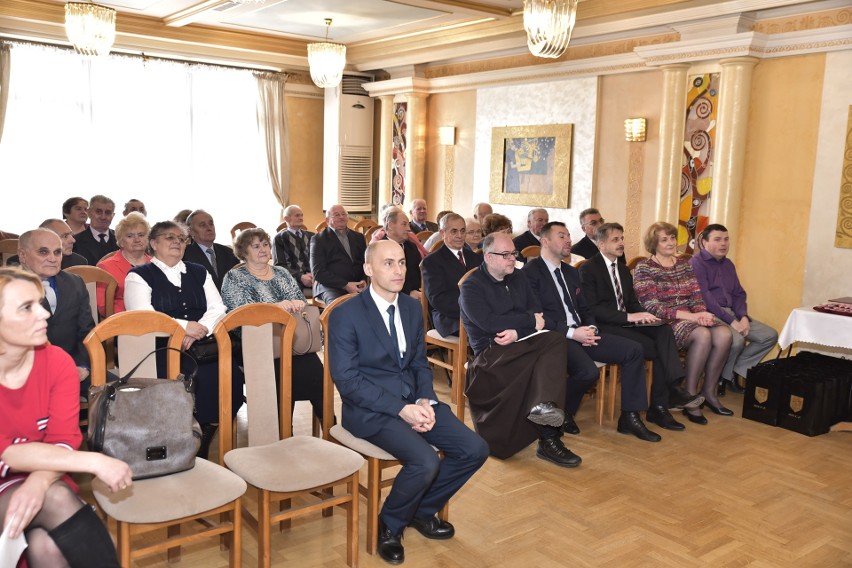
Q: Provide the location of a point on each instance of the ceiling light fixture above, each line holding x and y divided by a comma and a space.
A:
90, 27
326, 61
549, 24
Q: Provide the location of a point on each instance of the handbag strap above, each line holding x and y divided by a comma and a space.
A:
189, 379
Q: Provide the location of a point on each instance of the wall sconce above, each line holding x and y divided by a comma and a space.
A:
447, 135
634, 129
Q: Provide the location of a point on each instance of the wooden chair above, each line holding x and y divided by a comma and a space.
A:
202, 493
368, 234
580, 263
321, 225
464, 347
269, 463
436, 246
433, 339
531, 251
364, 224
633, 262
615, 383
423, 236
378, 460
241, 227
107, 255
8, 248
94, 278
281, 226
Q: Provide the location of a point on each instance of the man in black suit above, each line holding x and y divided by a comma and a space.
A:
215, 258
590, 220
98, 240
291, 249
442, 271
397, 230
608, 287
65, 297
378, 362
536, 219
337, 257
557, 286
69, 257
418, 217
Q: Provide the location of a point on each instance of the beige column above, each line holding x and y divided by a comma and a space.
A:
385, 148
672, 121
729, 155
415, 152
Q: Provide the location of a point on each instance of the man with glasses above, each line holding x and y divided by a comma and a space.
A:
516, 382
337, 257
215, 258
590, 220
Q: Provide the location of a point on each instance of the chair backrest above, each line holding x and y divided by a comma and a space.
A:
463, 341
364, 224
436, 245
579, 263
327, 381
92, 276
368, 234
138, 329
633, 262
281, 226
423, 236
107, 255
8, 248
270, 416
241, 227
424, 303
531, 251
321, 225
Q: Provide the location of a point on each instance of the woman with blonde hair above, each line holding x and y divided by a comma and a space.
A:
131, 233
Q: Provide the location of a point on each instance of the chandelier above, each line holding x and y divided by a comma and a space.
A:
90, 27
326, 61
548, 24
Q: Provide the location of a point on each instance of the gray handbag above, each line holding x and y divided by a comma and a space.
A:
147, 423
308, 335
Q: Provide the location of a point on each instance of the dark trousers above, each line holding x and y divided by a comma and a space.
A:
658, 345
307, 381
425, 483
582, 371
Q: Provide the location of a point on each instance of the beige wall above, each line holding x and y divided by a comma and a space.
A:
305, 127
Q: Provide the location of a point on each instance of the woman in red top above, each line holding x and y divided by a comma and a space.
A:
132, 236
39, 436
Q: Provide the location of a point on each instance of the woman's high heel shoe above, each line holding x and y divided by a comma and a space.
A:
720, 410
695, 418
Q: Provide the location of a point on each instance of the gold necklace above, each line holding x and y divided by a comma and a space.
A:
264, 273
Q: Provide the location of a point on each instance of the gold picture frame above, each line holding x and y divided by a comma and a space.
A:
531, 165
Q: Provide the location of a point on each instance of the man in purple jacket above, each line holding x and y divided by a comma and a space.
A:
726, 299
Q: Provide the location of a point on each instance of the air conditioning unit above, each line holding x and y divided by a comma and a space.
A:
348, 146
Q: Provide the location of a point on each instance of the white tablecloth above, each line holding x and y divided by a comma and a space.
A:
810, 326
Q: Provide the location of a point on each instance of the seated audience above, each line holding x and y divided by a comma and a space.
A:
496, 223
98, 239
39, 437
418, 213
75, 212
725, 298
667, 288
134, 205
436, 236
215, 258
590, 220
132, 236
515, 388
182, 216
337, 257
256, 281
473, 234
66, 298
480, 210
379, 234
69, 257
536, 219
186, 292
397, 229
442, 271
292, 247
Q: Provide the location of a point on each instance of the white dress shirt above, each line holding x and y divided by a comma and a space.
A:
383, 304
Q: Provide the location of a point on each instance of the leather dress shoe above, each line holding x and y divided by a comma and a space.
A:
732, 385
660, 416
695, 418
390, 545
679, 398
631, 423
720, 410
569, 426
554, 451
433, 528
547, 414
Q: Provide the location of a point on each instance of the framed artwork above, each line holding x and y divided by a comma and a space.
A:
531, 165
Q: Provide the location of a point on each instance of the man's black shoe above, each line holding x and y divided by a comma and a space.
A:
660, 416
554, 451
390, 545
734, 385
569, 426
679, 398
631, 423
546, 414
433, 527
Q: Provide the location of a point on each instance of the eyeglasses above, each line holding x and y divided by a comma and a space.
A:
510, 255
594, 223
172, 238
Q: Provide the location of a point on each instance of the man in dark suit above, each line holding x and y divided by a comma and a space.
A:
291, 249
536, 219
379, 365
557, 286
590, 220
608, 287
65, 297
98, 239
442, 271
418, 217
215, 258
337, 257
397, 230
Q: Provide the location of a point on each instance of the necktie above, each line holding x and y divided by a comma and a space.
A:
299, 234
50, 295
212, 256
567, 297
461, 259
618, 293
392, 328
102, 238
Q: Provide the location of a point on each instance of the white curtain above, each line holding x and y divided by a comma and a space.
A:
272, 123
4, 83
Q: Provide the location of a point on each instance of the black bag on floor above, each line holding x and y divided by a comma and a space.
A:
763, 390
807, 404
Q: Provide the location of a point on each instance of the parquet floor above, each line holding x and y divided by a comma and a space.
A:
733, 493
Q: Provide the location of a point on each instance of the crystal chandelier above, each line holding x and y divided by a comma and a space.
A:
548, 24
327, 61
91, 28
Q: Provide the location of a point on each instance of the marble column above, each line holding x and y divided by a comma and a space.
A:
672, 121
385, 149
415, 151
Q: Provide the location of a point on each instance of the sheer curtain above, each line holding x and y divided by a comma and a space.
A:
173, 135
272, 122
4, 84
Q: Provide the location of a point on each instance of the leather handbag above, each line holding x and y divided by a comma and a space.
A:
147, 423
308, 335
207, 350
